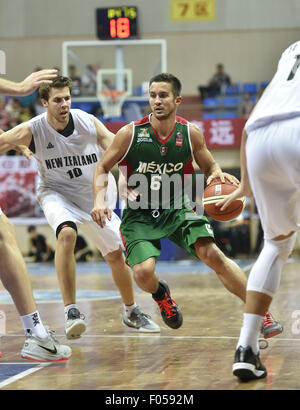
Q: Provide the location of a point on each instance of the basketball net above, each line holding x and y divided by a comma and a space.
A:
111, 102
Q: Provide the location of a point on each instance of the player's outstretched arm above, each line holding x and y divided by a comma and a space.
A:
104, 136
29, 84
244, 188
205, 160
17, 138
112, 155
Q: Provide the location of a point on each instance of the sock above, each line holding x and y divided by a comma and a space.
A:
129, 309
250, 331
33, 322
68, 307
160, 293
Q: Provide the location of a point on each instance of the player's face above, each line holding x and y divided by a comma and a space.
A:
162, 100
58, 104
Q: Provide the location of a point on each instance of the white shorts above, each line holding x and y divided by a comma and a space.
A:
273, 162
58, 209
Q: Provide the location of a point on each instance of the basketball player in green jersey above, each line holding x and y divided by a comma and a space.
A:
161, 145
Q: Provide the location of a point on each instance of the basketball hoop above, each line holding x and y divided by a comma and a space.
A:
111, 102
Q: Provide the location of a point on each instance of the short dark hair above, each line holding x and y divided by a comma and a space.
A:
31, 228
57, 82
168, 78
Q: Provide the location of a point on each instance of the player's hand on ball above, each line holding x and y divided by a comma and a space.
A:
224, 203
223, 176
99, 215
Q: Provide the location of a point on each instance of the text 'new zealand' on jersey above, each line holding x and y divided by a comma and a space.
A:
66, 164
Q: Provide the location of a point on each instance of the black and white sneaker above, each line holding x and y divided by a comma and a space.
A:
247, 365
140, 321
75, 324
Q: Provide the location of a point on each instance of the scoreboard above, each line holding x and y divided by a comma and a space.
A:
116, 23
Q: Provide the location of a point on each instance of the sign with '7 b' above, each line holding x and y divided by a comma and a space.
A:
192, 10
2, 62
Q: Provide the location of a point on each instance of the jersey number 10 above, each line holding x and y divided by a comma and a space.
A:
75, 172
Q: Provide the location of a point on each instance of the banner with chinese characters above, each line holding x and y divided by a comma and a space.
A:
219, 134
222, 133
192, 10
18, 179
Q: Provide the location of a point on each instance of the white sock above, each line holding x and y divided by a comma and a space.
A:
250, 331
33, 322
129, 309
68, 307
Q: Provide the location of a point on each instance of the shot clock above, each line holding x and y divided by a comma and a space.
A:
117, 23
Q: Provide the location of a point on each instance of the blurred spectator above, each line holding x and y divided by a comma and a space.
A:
26, 114
217, 83
107, 85
82, 252
38, 107
76, 79
14, 109
245, 106
39, 248
4, 116
89, 85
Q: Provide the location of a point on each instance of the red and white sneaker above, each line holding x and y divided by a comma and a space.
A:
271, 327
169, 310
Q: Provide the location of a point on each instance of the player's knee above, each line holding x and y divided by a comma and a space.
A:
142, 274
209, 253
266, 272
115, 258
67, 238
283, 248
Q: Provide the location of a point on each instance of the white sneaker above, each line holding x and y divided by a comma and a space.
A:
45, 350
140, 321
75, 324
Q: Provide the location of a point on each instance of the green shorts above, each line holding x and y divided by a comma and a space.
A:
142, 232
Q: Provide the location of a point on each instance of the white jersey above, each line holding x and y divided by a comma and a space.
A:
281, 99
66, 164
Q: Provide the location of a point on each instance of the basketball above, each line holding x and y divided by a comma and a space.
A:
216, 191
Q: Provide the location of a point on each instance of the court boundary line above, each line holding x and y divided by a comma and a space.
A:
23, 374
157, 336
5, 303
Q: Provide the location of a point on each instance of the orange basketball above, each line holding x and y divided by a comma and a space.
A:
216, 191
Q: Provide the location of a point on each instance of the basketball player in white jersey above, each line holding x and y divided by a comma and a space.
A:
67, 144
270, 165
39, 344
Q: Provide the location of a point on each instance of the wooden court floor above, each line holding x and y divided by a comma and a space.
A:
198, 356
